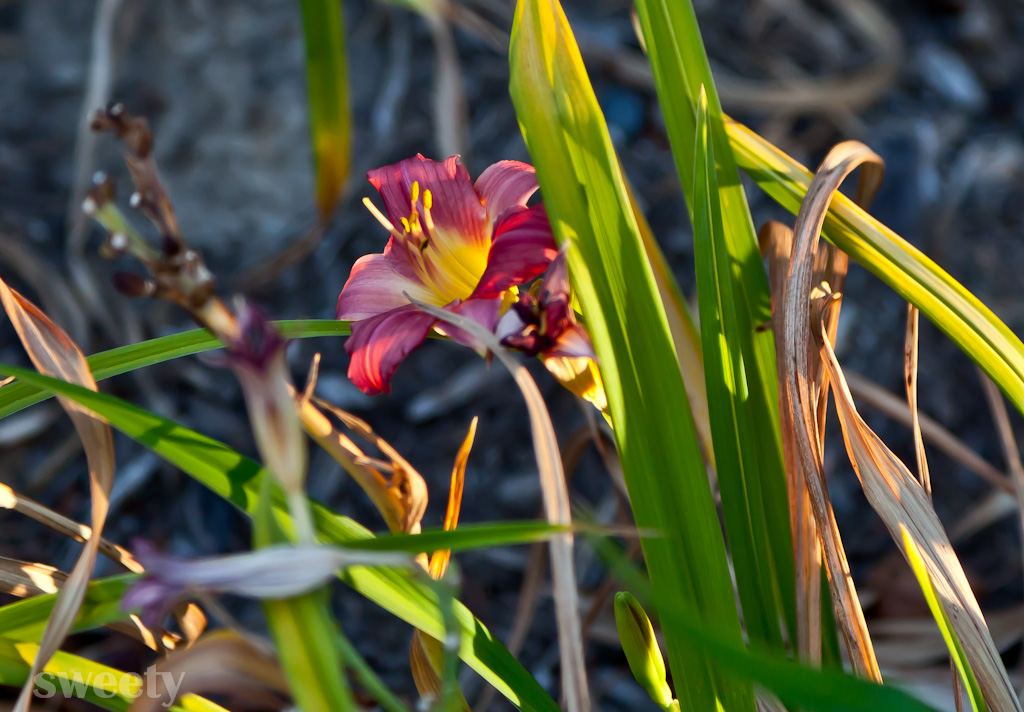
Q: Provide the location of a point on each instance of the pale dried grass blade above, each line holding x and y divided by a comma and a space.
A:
54, 354
219, 663
450, 108
1008, 441
9, 499
900, 500
556, 506
869, 393
801, 403
26, 579
993, 508
910, 359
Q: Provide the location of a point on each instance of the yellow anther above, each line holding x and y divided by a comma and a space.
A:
428, 200
406, 226
415, 192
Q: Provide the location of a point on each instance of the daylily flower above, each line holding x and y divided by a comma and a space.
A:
542, 323
454, 244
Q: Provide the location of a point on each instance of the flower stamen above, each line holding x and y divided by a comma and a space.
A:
381, 218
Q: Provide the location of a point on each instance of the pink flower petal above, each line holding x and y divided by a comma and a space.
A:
504, 185
458, 214
523, 247
375, 287
483, 311
379, 344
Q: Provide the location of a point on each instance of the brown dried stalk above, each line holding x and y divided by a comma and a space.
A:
829, 267
904, 506
55, 354
910, 358
556, 506
800, 399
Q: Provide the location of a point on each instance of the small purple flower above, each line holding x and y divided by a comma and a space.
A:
274, 572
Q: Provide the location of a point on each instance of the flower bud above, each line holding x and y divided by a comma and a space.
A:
256, 354
641, 648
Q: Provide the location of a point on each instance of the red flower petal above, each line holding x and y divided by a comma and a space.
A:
375, 287
523, 247
504, 185
456, 209
379, 344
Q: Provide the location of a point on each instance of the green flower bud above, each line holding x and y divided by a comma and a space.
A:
641, 648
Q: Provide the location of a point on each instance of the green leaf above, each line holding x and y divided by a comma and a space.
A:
324, 34
681, 71
237, 479
465, 538
24, 620
104, 686
956, 650
18, 395
306, 636
589, 208
732, 424
910, 273
798, 686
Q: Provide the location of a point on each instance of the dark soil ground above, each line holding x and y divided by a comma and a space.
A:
223, 84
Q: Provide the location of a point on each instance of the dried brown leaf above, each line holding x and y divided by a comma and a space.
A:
869, 393
25, 579
556, 505
777, 241
800, 376
402, 498
9, 499
910, 359
219, 663
55, 354
1008, 441
905, 509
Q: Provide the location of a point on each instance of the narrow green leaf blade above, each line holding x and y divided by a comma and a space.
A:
731, 418
24, 620
798, 686
237, 479
18, 395
956, 650
467, 537
589, 207
324, 33
306, 636
681, 72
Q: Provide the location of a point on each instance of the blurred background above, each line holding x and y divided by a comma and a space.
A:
934, 86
